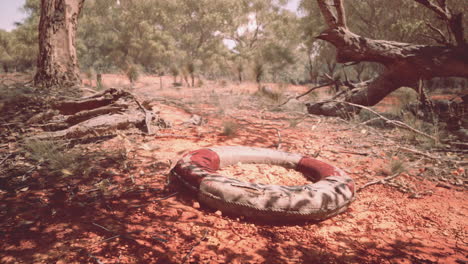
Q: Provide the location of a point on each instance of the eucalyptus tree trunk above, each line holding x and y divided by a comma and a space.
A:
57, 64
405, 63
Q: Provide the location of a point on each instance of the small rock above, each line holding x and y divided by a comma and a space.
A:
196, 205
219, 213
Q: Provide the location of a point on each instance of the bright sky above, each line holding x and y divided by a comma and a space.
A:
10, 12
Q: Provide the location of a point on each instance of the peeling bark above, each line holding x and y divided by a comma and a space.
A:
57, 64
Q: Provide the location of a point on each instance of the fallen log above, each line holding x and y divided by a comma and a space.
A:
99, 114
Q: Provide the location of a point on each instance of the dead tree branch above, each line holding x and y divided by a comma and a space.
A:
340, 11
379, 181
454, 21
405, 63
443, 39
393, 122
303, 94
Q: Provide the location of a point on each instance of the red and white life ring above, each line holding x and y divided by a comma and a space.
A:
330, 194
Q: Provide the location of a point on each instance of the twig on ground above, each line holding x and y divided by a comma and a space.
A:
175, 136
154, 200
388, 178
348, 152
427, 155
110, 238
303, 94
116, 234
379, 181
108, 230
393, 122
370, 120
5, 159
186, 257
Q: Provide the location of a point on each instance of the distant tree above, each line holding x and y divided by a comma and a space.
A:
266, 37
57, 63
6, 58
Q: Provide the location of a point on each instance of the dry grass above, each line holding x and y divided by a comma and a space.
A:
55, 157
230, 128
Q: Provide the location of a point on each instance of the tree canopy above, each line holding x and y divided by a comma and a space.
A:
222, 38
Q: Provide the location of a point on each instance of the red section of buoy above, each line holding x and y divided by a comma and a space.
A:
315, 170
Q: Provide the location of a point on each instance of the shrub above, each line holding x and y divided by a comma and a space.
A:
132, 73
274, 95
230, 128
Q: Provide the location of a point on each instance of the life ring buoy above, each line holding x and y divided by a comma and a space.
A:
330, 194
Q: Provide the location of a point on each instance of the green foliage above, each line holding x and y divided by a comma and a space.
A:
158, 35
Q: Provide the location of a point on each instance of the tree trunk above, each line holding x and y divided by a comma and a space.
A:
239, 76
405, 64
57, 64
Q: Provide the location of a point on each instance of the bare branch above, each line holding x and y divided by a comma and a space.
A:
340, 11
303, 94
327, 13
442, 4
393, 122
454, 21
443, 39
437, 9
379, 181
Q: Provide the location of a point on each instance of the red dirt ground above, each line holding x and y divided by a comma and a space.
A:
123, 212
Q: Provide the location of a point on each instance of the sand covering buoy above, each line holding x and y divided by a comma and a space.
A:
330, 193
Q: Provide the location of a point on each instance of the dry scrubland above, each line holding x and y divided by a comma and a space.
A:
106, 200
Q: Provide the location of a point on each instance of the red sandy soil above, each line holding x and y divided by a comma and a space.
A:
123, 212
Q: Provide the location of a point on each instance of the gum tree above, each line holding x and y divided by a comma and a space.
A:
405, 64
57, 64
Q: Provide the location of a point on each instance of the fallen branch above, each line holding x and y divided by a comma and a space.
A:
5, 159
154, 200
393, 122
380, 181
348, 152
116, 234
303, 94
428, 156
